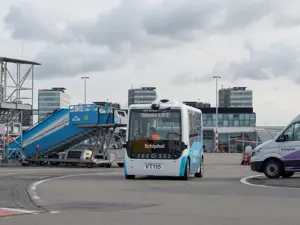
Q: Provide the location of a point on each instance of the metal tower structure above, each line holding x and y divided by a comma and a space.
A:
15, 104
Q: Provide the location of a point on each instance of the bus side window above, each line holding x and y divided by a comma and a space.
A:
195, 126
199, 122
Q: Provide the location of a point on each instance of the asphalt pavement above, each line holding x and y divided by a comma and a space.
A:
103, 196
288, 183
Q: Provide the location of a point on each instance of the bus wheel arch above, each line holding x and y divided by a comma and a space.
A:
188, 165
201, 168
187, 169
130, 177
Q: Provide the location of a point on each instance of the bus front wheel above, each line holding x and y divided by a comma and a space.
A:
121, 164
130, 177
187, 170
201, 169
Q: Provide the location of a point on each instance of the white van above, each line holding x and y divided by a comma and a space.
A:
280, 156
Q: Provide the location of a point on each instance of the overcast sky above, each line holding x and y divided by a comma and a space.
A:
175, 45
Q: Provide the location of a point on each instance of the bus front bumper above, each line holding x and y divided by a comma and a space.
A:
153, 168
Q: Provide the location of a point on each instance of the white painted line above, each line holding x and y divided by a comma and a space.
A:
32, 188
54, 212
19, 210
29, 171
244, 181
30, 177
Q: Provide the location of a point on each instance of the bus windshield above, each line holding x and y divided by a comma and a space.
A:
155, 134
155, 125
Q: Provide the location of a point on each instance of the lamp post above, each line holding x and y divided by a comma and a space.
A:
85, 78
217, 119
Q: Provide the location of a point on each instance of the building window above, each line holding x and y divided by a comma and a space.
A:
225, 123
49, 94
236, 123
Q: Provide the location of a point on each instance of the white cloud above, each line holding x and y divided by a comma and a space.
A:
123, 42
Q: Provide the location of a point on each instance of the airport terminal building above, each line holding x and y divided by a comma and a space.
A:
236, 128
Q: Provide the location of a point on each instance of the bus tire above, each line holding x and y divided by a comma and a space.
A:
201, 169
130, 177
108, 165
187, 170
121, 164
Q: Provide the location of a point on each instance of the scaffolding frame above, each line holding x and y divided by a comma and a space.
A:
17, 79
11, 98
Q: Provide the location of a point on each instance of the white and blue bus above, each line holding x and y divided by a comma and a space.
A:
164, 138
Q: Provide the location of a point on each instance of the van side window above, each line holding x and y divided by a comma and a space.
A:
289, 133
293, 132
296, 132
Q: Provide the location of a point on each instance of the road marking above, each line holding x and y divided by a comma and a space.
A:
18, 210
54, 212
31, 177
244, 181
29, 171
12, 211
38, 201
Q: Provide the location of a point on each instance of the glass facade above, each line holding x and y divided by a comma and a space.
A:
235, 97
236, 142
51, 100
233, 142
141, 96
236, 123
230, 120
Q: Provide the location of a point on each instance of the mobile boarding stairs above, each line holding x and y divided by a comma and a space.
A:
65, 129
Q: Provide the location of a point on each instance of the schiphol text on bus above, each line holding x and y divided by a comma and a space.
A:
164, 138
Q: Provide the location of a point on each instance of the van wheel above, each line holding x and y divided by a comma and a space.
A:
273, 169
287, 174
201, 169
121, 164
108, 165
130, 177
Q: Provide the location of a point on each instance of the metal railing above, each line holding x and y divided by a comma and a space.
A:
42, 120
72, 140
46, 133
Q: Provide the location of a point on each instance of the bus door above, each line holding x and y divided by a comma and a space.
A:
195, 140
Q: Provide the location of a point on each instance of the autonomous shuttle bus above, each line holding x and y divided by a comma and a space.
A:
164, 139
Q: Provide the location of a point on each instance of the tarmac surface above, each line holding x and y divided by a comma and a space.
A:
290, 183
79, 196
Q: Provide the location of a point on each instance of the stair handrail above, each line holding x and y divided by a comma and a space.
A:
71, 138
110, 111
51, 126
47, 131
42, 120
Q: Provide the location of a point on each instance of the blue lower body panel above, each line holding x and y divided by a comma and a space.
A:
183, 165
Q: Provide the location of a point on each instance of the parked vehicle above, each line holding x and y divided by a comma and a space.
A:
279, 157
